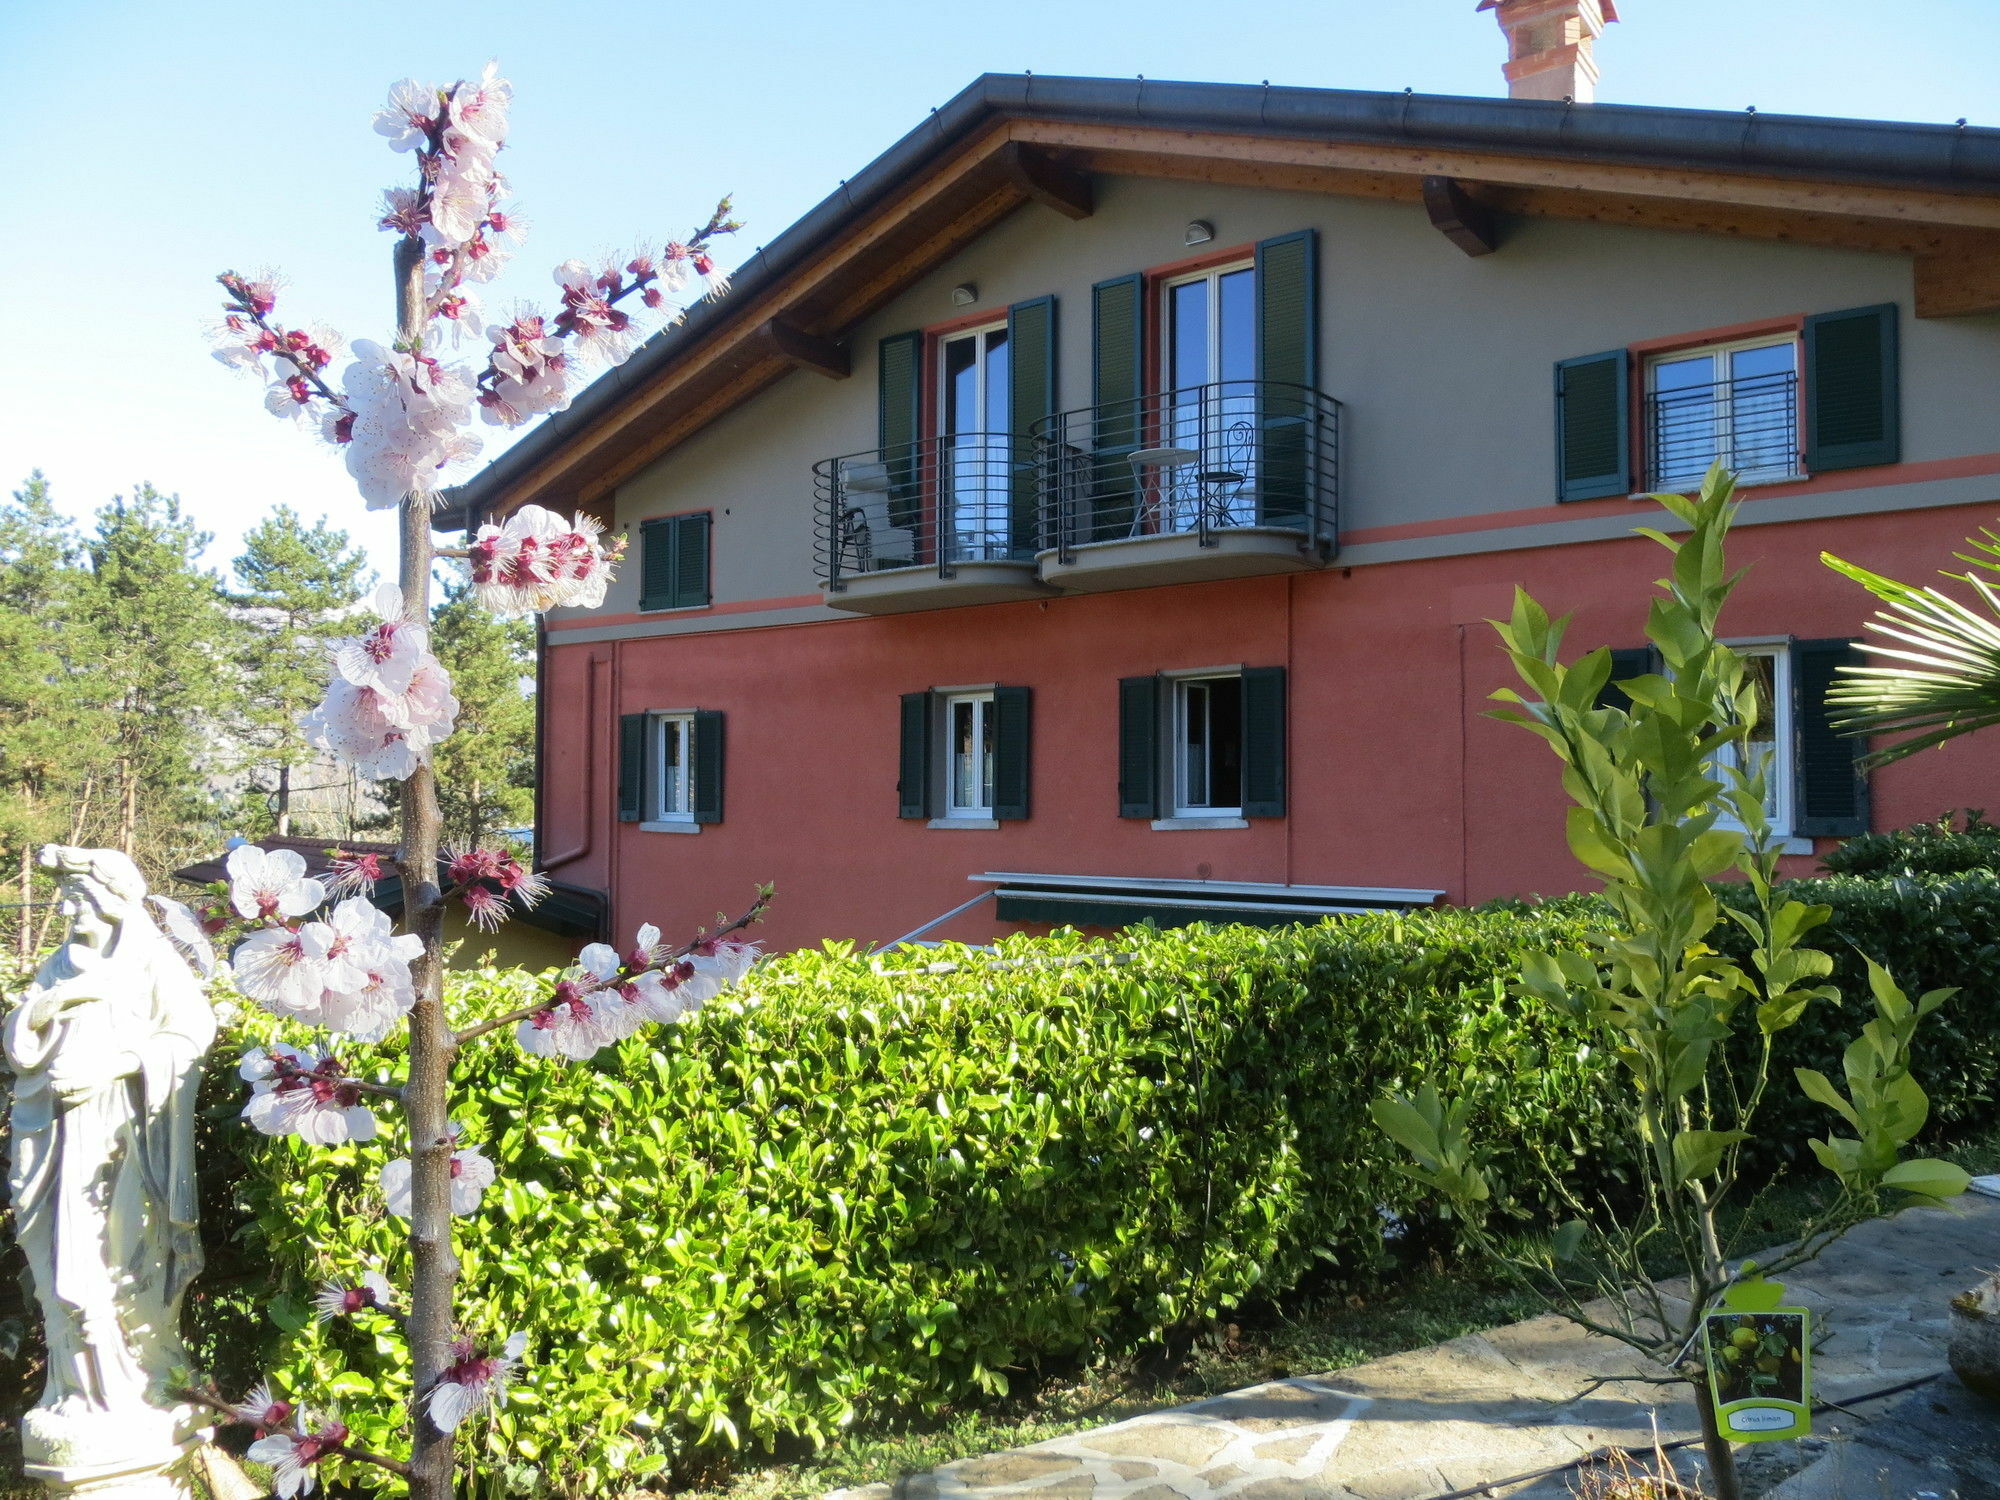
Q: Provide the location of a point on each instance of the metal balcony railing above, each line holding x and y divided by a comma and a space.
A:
1750, 424
970, 497
1197, 461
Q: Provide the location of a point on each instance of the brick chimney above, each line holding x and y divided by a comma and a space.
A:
1549, 44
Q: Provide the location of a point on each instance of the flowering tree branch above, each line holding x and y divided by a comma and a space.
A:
318, 952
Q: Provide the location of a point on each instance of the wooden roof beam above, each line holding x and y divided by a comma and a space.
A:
1466, 221
1962, 279
807, 351
1046, 180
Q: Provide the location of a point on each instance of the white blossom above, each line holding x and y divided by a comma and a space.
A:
271, 883
471, 1175
473, 1381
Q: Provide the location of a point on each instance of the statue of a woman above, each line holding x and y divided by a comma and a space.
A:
106, 1049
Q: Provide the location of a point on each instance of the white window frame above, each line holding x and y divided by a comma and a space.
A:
983, 397
681, 727
1723, 435
1782, 772
1182, 809
981, 702
1212, 338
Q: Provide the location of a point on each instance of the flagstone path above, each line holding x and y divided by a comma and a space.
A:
1489, 1406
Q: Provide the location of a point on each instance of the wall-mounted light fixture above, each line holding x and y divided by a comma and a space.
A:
964, 294
1199, 232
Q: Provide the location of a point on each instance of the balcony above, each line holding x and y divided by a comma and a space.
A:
933, 524
1229, 480
1750, 424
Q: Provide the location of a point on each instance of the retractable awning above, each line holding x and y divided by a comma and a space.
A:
1124, 901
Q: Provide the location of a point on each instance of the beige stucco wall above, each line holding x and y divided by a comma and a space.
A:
1442, 362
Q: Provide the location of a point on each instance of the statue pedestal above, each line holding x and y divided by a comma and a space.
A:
111, 1455
133, 1479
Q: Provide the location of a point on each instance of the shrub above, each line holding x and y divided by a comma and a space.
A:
1921, 849
875, 1190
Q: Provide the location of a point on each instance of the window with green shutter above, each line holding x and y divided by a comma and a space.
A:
964, 756
706, 792
1830, 794
1118, 417
632, 766
1593, 427
1853, 403
899, 423
913, 763
1287, 275
1013, 741
1627, 662
1263, 742
1031, 399
1139, 747
673, 562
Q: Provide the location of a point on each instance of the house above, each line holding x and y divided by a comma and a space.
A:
1093, 508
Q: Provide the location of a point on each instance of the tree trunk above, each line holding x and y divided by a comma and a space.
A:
1721, 1457
426, 1102
128, 807
284, 800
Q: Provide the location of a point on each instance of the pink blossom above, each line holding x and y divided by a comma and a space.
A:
410, 115
471, 1175
572, 1025
282, 969
486, 907
291, 1455
601, 331
390, 700
726, 960
408, 414
535, 560
261, 1410
356, 874
371, 1292
646, 949
473, 1381
270, 884
301, 1092
387, 655
527, 373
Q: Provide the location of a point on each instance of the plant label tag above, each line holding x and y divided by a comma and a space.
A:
1759, 1359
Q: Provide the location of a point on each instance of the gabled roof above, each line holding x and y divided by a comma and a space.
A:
1931, 191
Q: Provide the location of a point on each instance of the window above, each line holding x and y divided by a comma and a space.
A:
673, 562
670, 766
1200, 747
1207, 747
968, 755
973, 451
1209, 348
673, 769
1738, 403
964, 756
1769, 744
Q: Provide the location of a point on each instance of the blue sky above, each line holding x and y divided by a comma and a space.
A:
146, 145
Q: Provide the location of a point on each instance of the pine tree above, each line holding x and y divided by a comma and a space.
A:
486, 769
52, 729
296, 585
163, 649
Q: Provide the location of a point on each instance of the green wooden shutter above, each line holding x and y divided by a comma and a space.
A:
899, 423
1138, 747
1593, 427
913, 765
1626, 662
1288, 366
673, 562
1117, 399
708, 766
1031, 400
656, 564
1263, 742
690, 566
1012, 745
1853, 405
632, 736
1830, 795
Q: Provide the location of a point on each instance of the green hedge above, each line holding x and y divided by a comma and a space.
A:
1953, 845
863, 1192
866, 1191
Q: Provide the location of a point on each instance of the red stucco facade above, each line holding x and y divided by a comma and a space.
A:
1396, 777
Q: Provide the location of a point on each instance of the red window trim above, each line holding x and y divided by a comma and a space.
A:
1153, 281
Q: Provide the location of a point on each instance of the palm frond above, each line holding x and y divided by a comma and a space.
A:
1936, 670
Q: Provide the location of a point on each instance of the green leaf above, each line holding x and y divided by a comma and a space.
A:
1697, 1153
1927, 1178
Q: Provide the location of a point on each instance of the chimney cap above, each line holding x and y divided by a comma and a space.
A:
1609, 7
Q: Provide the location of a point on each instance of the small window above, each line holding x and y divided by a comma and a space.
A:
1207, 747
968, 723
1737, 403
673, 761
673, 562
1769, 744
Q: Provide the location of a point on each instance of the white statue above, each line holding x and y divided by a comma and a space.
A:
106, 1049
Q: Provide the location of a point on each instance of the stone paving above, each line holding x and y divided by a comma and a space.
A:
1490, 1406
